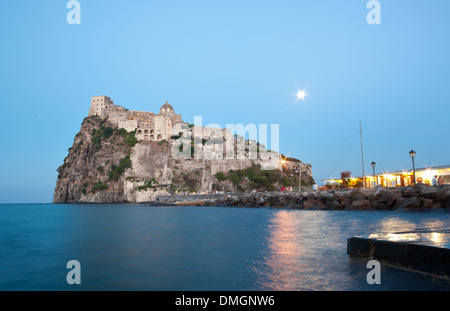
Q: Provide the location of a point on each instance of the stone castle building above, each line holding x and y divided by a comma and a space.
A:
227, 151
148, 125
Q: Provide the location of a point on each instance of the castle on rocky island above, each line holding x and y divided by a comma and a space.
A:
120, 155
148, 125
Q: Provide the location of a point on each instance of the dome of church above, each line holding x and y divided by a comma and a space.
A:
166, 108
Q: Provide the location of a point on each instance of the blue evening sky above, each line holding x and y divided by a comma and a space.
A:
229, 62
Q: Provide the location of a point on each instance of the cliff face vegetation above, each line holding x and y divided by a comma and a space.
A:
94, 169
253, 178
110, 165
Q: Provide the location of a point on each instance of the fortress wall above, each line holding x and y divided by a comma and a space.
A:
176, 119
115, 116
226, 165
211, 132
150, 124
181, 128
128, 125
140, 115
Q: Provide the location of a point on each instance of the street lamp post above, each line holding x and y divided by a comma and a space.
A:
300, 177
373, 167
300, 166
412, 154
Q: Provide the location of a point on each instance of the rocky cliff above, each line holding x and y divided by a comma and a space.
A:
110, 165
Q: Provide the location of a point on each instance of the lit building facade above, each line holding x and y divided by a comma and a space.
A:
395, 179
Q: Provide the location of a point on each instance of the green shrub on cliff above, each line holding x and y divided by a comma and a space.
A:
98, 187
96, 139
107, 132
255, 178
125, 162
235, 178
221, 176
152, 183
117, 171
131, 140
129, 137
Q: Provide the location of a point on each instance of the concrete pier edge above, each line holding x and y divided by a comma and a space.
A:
429, 260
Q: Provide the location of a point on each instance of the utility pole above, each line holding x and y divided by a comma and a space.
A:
362, 154
300, 166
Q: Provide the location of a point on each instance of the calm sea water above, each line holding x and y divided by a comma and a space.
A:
133, 247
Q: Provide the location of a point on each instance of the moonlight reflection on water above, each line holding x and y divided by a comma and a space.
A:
134, 247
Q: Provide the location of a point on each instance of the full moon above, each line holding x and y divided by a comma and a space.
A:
301, 94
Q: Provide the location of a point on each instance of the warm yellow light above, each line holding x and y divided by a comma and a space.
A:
405, 237
437, 238
282, 161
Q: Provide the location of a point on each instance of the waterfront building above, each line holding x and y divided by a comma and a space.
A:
399, 178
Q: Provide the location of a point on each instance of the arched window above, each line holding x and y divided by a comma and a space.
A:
139, 132
146, 137
159, 136
146, 132
152, 137
152, 131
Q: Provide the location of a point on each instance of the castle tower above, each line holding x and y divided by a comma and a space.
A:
99, 104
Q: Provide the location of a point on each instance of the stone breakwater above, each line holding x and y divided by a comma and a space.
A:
418, 197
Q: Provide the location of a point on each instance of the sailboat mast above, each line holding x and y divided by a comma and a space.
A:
362, 154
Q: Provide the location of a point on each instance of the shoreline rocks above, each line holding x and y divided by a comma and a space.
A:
412, 198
